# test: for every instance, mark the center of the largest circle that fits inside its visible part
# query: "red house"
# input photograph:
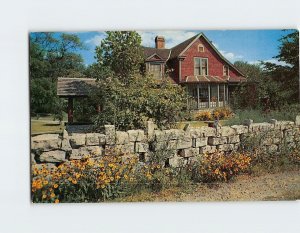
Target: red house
(196, 63)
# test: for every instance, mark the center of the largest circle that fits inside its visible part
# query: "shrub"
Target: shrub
(130, 105)
(203, 115)
(86, 180)
(220, 167)
(222, 113)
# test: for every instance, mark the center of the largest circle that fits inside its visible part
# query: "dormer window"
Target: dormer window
(200, 48)
(225, 70)
(156, 70)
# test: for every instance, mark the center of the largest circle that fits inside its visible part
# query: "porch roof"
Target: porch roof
(72, 87)
(211, 79)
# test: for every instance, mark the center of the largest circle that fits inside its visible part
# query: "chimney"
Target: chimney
(159, 42)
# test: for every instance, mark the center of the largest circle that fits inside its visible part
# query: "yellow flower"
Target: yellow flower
(74, 181)
(44, 196)
(56, 201)
(52, 195)
(55, 186)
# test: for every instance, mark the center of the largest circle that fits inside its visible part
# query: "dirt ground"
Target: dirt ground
(266, 187)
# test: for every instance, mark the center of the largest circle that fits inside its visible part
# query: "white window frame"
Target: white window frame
(225, 67)
(201, 58)
(202, 48)
(155, 64)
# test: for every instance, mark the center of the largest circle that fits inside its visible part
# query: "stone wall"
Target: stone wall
(183, 145)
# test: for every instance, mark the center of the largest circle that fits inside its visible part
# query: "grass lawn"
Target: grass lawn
(38, 126)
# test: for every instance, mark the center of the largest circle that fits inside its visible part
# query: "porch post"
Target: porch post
(208, 95)
(224, 100)
(227, 93)
(218, 103)
(70, 110)
(198, 104)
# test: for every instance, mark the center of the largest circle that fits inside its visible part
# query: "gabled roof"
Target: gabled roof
(71, 87)
(178, 51)
(162, 53)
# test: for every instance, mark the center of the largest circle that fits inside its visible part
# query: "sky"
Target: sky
(251, 46)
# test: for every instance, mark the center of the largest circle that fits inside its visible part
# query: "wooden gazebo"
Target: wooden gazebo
(71, 88)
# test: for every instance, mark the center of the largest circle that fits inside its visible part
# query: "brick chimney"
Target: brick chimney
(159, 42)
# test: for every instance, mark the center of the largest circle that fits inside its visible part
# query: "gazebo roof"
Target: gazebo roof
(74, 87)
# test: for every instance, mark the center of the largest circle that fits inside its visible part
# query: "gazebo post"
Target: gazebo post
(70, 110)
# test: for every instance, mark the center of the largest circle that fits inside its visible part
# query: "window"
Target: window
(200, 66)
(200, 48)
(155, 70)
(225, 70)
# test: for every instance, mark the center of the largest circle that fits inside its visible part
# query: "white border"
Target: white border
(19, 17)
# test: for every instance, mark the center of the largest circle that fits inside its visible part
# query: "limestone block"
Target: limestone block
(102, 139)
(136, 135)
(226, 147)
(198, 142)
(150, 130)
(54, 156)
(227, 131)
(184, 143)
(122, 138)
(92, 139)
(190, 152)
(282, 125)
(176, 161)
(160, 135)
(174, 134)
(32, 158)
(212, 141)
(234, 139)
(164, 145)
(196, 133)
(208, 149)
(208, 131)
(141, 147)
(240, 129)
(77, 140)
(259, 127)
(297, 120)
(45, 142)
(110, 134)
(65, 143)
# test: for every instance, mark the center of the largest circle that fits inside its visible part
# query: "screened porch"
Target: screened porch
(207, 95)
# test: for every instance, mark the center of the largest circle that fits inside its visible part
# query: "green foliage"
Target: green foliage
(129, 106)
(286, 113)
(120, 51)
(44, 99)
(84, 110)
(49, 58)
(282, 82)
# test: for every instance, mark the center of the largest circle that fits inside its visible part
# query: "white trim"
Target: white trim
(153, 56)
(201, 58)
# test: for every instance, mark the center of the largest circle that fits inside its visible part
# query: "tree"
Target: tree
(49, 58)
(122, 53)
(130, 105)
(285, 77)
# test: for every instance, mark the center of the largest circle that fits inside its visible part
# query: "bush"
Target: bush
(218, 113)
(86, 180)
(203, 115)
(130, 105)
(220, 167)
